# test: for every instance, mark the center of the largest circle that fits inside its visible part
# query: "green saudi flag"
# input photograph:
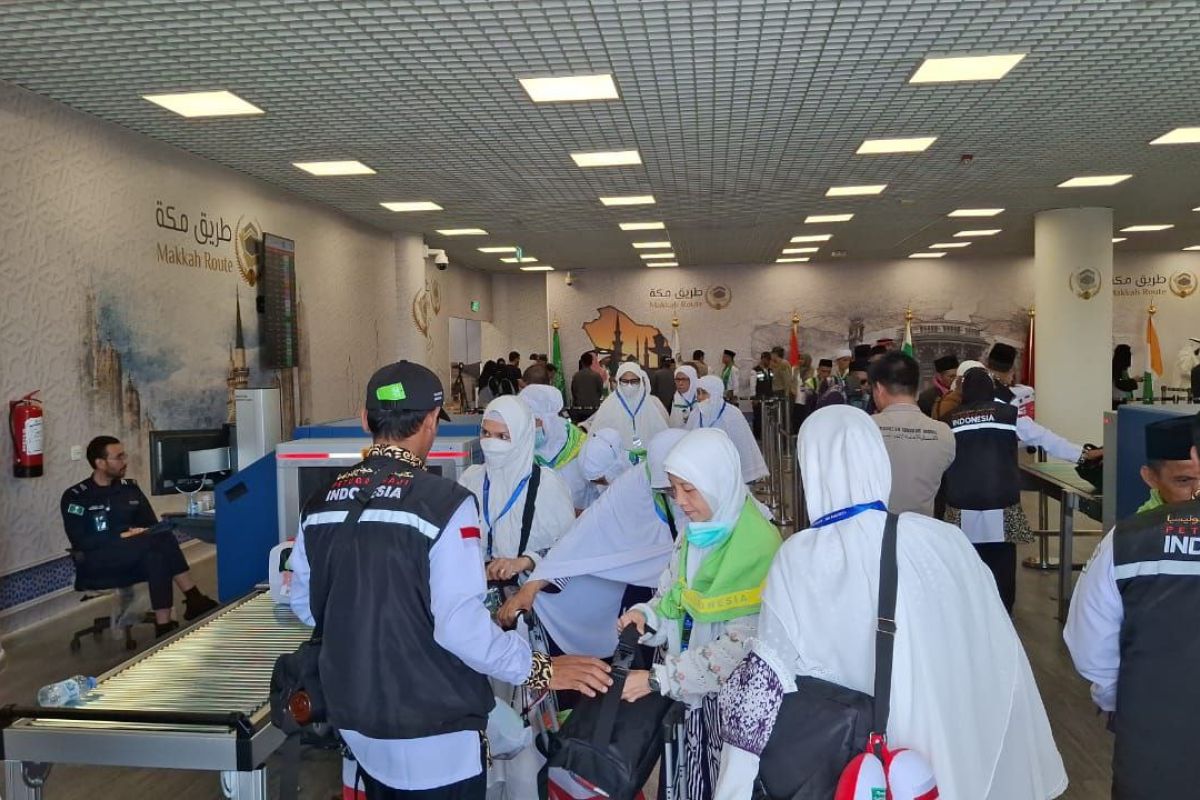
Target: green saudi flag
(907, 346)
(560, 381)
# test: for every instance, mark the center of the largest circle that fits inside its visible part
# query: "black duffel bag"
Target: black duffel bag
(609, 743)
(822, 726)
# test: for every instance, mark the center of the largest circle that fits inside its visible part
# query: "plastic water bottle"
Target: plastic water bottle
(65, 693)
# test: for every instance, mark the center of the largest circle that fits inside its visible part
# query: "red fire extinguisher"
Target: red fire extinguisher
(25, 418)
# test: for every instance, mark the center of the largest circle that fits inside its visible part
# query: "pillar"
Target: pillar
(1073, 263)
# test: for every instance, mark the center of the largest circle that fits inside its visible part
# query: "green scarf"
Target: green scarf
(725, 373)
(570, 450)
(1154, 502)
(729, 583)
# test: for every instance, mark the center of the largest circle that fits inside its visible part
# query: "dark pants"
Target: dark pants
(1001, 559)
(470, 789)
(154, 559)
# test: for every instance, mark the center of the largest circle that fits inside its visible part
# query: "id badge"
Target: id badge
(100, 520)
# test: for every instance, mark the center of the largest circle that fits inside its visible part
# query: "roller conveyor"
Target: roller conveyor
(198, 700)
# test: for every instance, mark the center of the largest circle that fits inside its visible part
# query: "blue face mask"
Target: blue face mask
(708, 534)
(539, 438)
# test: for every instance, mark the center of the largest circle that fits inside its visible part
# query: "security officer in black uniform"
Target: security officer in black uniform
(111, 525)
(1132, 633)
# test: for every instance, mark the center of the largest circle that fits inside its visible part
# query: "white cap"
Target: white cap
(844, 353)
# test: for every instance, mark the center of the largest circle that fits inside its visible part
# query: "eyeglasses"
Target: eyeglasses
(624, 382)
(117, 457)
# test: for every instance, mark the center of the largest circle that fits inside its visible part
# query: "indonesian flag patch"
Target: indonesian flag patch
(469, 533)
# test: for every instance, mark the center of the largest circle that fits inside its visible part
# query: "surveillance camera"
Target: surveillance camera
(440, 259)
(569, 279)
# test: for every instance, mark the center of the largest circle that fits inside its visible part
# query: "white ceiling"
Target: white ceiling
(744, 112)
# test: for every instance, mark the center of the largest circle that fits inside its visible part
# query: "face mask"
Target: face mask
(629, 390)
(495, 448)
(708, 534)
(539, 438)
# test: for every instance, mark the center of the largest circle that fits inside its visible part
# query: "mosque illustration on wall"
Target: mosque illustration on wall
(614, 333)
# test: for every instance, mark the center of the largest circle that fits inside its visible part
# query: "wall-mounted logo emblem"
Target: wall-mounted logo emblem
(718, 297)
(1183, 284)
(1086, 283)
(246, 250)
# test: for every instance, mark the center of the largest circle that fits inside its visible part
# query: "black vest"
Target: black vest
(383, 673)
(1156, 563)
(984, 475)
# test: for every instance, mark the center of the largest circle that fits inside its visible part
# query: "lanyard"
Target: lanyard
(715, 421)
(632, 414)
(487, 514)
(847, 513)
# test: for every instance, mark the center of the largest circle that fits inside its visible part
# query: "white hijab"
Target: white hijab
(707, 459)
(963, 694)
(618, 540)
(684, 404)
(639, 417)
(603, 457)
(715, 412)
(553, 511)
(546, 403)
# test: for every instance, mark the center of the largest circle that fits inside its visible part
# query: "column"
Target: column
(1073, 263)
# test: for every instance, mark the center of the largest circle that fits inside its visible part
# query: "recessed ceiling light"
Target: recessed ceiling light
(988, 232)
(928, 255)
(1085, 181)
(815, 237)
(642, 226)
(818, 218)
(462, 232)
(793, 250)
(965, 68)
(570, 88)
(948, 245)
(791, 260)
(628, 200)
(650, 245)
(1179, 136)
(1145, 228)
(975, 212)
(1197, 208)
(1193, 247)
(607, 158)
(662, 264)
(334, 167)
(1119, 239)
(417, 205)
(855, 191)
(505, 249)
(521, 260)
(651, 256)
(916, 144)
(538, 268)
(204, 104)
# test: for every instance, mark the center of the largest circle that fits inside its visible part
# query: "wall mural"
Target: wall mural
(427, 304)
(615, 333)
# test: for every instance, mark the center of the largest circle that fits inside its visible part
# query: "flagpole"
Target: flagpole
(675, 339)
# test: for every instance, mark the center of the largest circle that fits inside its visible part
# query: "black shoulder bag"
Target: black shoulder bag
(611, 744)
(297, 699)
(822, 726)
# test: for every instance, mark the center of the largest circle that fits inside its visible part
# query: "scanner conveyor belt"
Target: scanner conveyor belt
(199, 700)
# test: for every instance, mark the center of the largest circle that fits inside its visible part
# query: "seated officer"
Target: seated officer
(107, 518)
(1131, 632)
(1170, 471)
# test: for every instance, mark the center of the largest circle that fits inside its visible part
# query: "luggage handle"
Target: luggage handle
(622, 661)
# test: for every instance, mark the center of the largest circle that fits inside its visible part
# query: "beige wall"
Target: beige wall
(80, 264)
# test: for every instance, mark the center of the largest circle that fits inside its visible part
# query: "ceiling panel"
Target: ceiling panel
(744, 112)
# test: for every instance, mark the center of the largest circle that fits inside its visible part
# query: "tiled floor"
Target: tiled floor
(40, 655)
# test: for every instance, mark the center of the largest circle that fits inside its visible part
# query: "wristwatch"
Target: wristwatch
(653, 681)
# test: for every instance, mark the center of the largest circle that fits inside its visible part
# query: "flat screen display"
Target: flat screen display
(277, 302)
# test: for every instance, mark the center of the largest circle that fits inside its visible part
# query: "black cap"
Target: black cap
(405, 385)
(1169, 439)
(862, 351)
(859, 365)
(825, 362)
(1002, 357)
(730, 353)
(945, 362)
